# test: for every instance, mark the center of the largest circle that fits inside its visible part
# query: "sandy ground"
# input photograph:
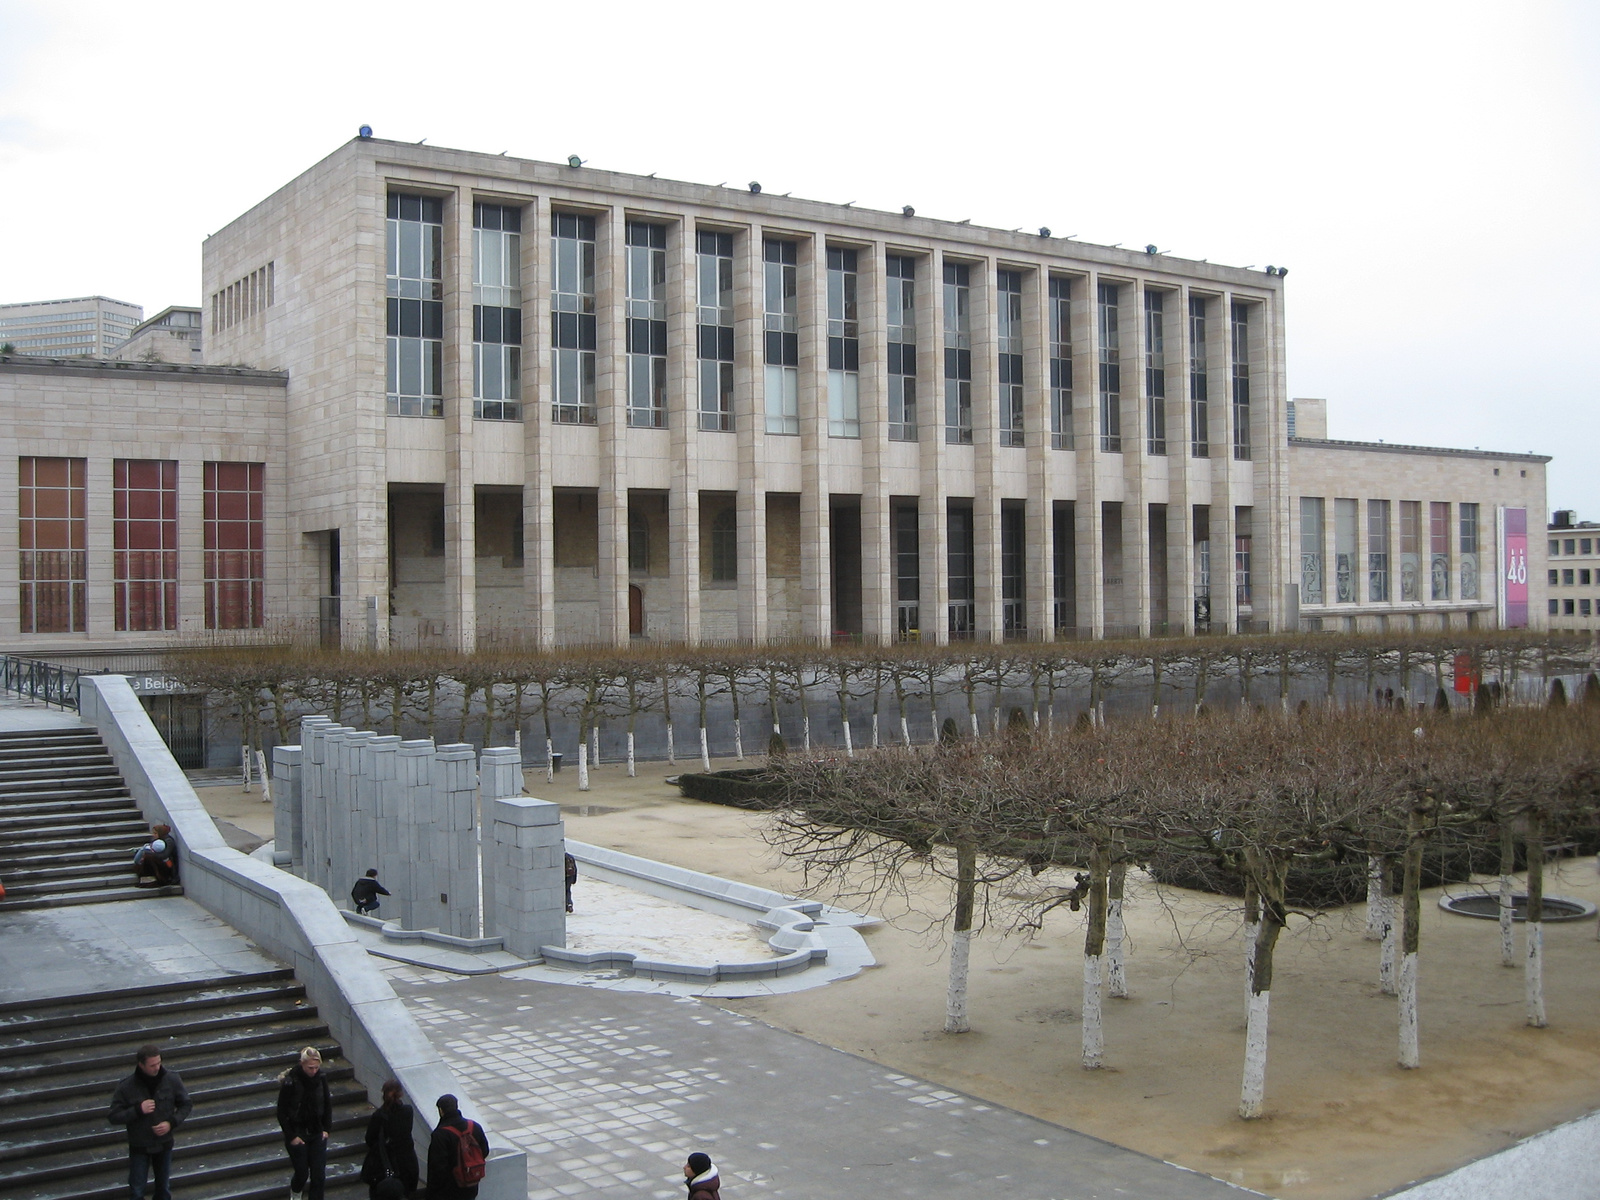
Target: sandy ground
(1343, 1121)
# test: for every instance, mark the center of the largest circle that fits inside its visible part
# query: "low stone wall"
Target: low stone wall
(294, 921)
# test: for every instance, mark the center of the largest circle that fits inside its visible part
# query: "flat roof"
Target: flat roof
(28, 364)
(1401, 448)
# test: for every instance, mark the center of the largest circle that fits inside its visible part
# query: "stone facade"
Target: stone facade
(1410, 536)
(813, 511)
(1572, 574)
(1059, 511)
(173, 335)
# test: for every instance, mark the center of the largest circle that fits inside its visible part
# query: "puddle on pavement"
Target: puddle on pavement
(588, 810)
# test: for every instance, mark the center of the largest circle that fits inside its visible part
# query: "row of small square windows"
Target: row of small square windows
(1564, 608)
(1572, 546)
(1567, 580)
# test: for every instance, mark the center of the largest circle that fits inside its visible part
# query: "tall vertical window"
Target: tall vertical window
(957, 354)
(1063, 552)
(1311, 574)
(902, 274)
(1060, 363)
(1244, 588)
(1469, 551)
(1439, 549)
(783, 337)
(52, 540)
(234, 546)
(496, 312)
(1155, 372)
(725, 546)
(647, 325)
(1410, 550)
(907, 573)
(1110, 372)
(1008, 313)
(414, 376)
(1013, 570)
(714, 317)
(1199, 417)
(1345, 516)
(572, 328)
(1378, 551)
(844, 347)
(962, 566)
(144, 521)
(1241, 381)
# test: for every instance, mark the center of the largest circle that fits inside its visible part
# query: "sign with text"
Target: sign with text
(1513, 568)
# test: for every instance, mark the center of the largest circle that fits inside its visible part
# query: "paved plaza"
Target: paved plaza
(609, 1091)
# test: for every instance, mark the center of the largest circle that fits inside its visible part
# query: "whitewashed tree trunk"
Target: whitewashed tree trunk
(738, 740)
(1533, 928)
(805, 731)
(705, 751)
(849, 747)
(1375, 897)
(1116, 973)
(672, 750)
(875, 742)
(1252, 930)
(1508, 866)
(955, 1007)
(1409, 1057)
(1533, 978)
(1116, 885)
(1386, 975)
(549, 760)
(631, 771)
(1255, 1057)
(955, 1004)
(594, 745)
(974, 720)
(905, 730)
(1094, 1037)
(583, 767)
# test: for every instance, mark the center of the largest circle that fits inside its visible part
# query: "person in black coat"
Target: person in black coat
(444, 1148)
(390, 1167)
(152, 1103)
(305, 1114)
(365, 891)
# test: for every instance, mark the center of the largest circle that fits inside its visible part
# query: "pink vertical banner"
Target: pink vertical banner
(1514, 567)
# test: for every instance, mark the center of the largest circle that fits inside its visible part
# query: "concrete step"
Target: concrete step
(178, 1020)
(45, 842)
(67, 899)
(86, 800)
(68, 817)
(21, 800)
(16, 877)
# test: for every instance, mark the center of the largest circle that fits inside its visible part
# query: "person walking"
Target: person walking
(572, 877)
(390, 1169)
(152, 1103)
(366, 890)
(700, 1173)
(457, 1152)
(305, 1114)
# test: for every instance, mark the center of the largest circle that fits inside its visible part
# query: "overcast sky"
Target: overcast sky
(1426, 171)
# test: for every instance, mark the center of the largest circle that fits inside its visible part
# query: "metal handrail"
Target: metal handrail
(50, 683)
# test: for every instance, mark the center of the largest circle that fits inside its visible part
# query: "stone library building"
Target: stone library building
(462, 399)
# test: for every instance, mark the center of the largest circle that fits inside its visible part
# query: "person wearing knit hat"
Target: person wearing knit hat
(701, 1175)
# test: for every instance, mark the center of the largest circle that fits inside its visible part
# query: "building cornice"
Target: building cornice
(106, 368)
(1400, 448)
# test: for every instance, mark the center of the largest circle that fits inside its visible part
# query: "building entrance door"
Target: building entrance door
(635, 611)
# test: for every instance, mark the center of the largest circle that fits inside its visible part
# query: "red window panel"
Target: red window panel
(234, 537)
(52, 538)
(145, 543)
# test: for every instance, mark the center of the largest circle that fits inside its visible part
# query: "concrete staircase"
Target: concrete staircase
(68, 828)
(229, 1039)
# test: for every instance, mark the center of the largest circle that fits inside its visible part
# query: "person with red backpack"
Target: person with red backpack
(457, 1154)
